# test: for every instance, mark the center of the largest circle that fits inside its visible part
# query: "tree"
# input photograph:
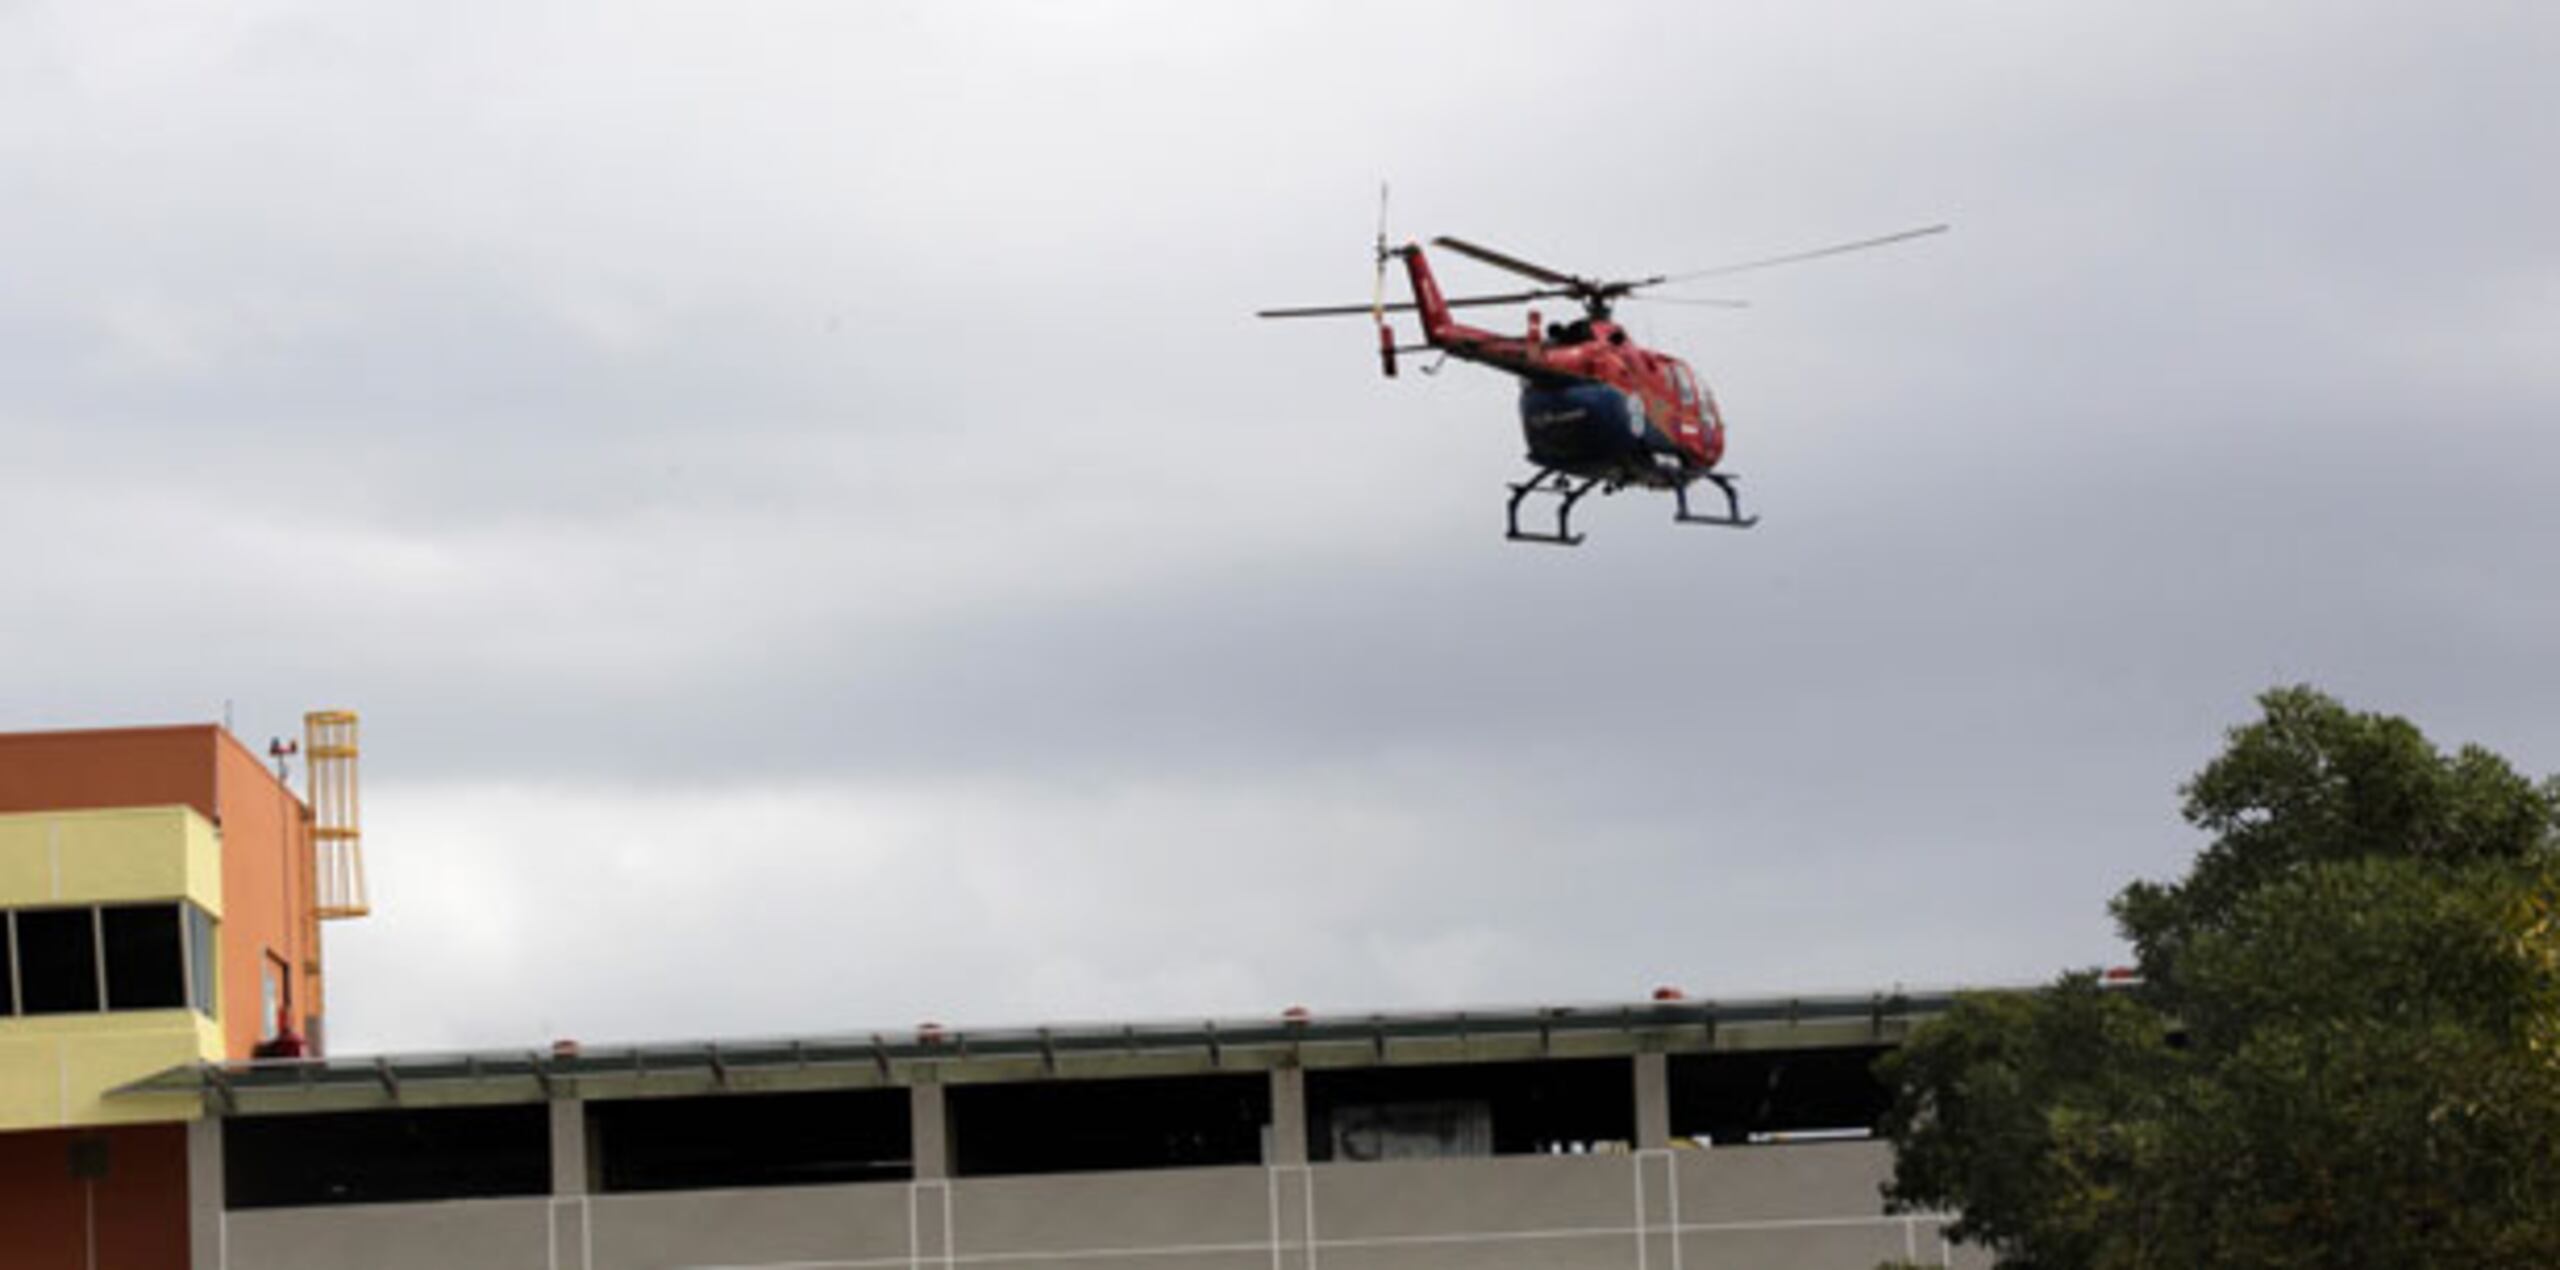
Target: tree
(2345, 1050)
(2312, 781)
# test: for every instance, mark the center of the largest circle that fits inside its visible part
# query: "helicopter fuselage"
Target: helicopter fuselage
(1593, 402)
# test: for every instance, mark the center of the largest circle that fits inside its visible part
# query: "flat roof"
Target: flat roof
(931, 1055)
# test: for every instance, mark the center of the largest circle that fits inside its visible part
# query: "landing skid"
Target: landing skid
(1560, 486)
(1567, 491)
(1733, 517)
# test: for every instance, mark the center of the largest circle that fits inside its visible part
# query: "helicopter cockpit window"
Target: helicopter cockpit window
(1688, 386)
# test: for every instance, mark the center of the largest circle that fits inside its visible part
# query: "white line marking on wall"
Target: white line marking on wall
(1366, 1241)
(1273, 1177)
(1671, 1178)
(1638, 1172)
(1307, 1196)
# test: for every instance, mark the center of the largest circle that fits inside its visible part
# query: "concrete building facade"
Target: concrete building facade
(161, 901)
(1661, 1136)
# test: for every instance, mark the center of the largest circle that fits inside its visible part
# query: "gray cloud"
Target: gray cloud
(798, 485)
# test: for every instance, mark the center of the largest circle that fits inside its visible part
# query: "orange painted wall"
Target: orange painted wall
(266, 839)
(266, 895)
(140, 1205)
(112, 767)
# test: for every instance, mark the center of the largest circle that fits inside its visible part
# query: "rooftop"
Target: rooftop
(931, 1054)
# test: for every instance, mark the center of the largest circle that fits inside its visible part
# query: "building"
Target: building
(166, 892)
(1655, 1136)
(161, 893)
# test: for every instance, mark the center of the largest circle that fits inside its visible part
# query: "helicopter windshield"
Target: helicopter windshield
(1688, 386)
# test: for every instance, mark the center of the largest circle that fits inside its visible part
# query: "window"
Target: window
(202, 968)
(58, 960)
(109, 957)
(1688, 386)
(145, 957)
(272, 995)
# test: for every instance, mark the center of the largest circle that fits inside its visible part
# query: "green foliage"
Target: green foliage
(2027, 1112)
(2311, 781)
(2347, 1051)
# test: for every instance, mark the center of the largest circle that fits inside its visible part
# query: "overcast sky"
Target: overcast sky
(819, 542)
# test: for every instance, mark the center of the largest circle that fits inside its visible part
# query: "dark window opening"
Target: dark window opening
(374, 1157)
(58, 961)
(1740, 1098)
(146, 957)
(1542, 1108)
(1075, 1125)
(659, 1144)
(8, 965)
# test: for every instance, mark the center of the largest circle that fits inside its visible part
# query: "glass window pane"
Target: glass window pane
(8, 969)
(207, 971)
(146, 967)
(58, 960)
(270, 995)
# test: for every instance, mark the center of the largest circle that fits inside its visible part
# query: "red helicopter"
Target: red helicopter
(1599, 410)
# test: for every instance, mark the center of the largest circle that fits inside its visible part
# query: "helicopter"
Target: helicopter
(1598, 409)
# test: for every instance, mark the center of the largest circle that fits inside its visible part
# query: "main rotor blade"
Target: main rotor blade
(1706, 301)
(1329, 310)
(1512, 263)
(1407, 306)
(1378, 287)
(1816, 254)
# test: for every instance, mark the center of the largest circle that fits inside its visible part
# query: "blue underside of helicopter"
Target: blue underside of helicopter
(1591, 429)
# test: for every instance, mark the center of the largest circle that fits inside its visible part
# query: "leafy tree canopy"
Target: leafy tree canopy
(2313, 781)
(2346, 1051)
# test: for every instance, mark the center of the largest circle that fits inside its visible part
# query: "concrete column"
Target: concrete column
(1288, 1116)
(929, 1131)
(204, 1194)
(573, 1174)
(1653, 1102)
(569, 1169)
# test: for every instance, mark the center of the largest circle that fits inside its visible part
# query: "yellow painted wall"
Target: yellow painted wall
(56, 1069)
(106, 857)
